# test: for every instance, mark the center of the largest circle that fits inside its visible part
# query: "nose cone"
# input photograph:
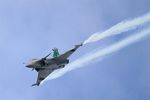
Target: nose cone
(29, 66)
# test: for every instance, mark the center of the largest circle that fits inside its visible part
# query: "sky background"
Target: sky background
(31, 28)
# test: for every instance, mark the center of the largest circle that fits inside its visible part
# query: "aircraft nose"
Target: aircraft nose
(29, 66)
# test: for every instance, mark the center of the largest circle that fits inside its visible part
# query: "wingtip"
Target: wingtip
(35, 84)
(81, 44)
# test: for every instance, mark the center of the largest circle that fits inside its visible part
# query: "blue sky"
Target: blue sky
(31, 28)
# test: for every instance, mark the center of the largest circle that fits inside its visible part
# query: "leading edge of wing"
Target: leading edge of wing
(70, 52)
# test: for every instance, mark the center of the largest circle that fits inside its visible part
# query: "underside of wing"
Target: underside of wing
(42, 74)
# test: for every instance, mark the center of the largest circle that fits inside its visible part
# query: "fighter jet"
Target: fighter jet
(45, 66)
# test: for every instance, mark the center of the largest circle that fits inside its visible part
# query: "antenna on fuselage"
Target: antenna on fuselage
(47, 56)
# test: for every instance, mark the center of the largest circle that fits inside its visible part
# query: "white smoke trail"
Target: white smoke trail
(119, 28)
(81, 62)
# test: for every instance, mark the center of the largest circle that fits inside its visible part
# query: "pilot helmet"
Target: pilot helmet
(55, 49)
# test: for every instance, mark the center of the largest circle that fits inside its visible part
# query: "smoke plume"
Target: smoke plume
(117, 29)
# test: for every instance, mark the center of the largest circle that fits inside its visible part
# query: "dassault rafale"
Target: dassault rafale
(45, 66)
